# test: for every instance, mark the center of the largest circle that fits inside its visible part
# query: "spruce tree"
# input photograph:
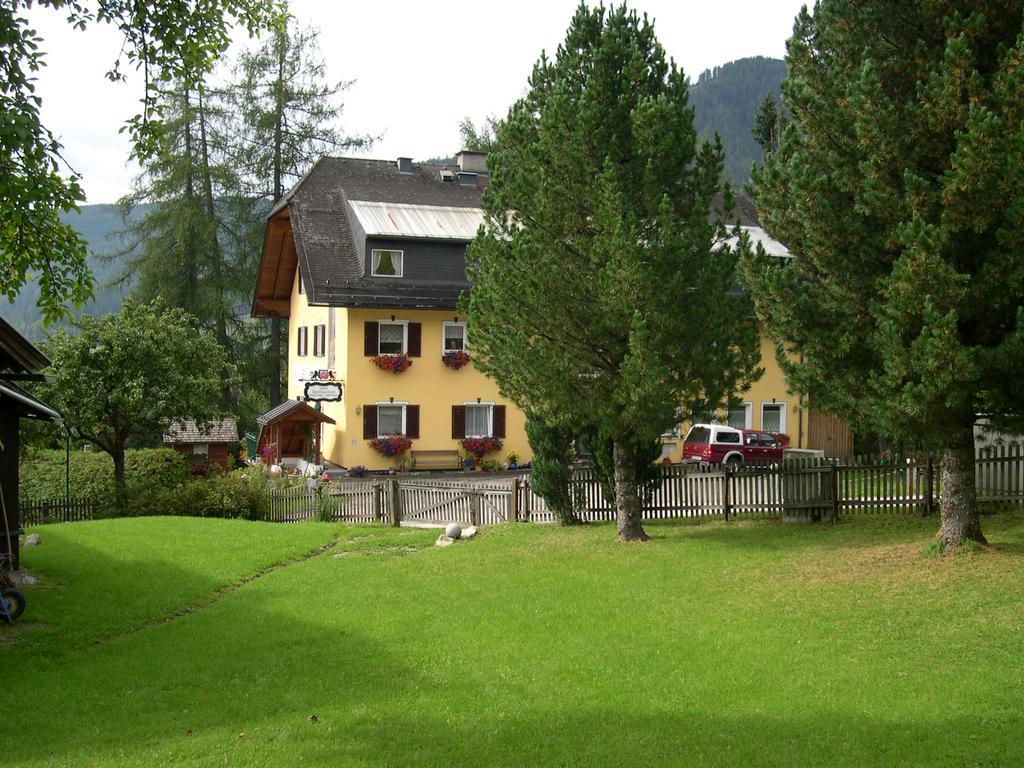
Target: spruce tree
(897, 186)
(601, 284)
(287, 118)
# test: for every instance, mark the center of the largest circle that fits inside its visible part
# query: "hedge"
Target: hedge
(92, 473)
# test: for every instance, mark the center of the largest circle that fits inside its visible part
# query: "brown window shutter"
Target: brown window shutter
(370, 335)
(412, 421)
(499, 421)
(415, 339)
(458, 421)
(369, 422)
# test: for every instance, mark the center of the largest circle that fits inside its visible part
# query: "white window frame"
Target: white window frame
(302, 341)
(389, 404)
(298, 277)
(373, 260)
(200, 449)
(782, 417)
(748, 416)
(405, 335)
(465, 335)
(490, 417)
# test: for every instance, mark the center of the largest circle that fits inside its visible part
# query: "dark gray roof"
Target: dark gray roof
(330, 245)
(187, 431)
(287, 407)
(17, 353)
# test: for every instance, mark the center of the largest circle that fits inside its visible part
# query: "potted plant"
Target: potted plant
(399, 363)
(513, 460)
(478, 447)
(455, 359)
(391, 445)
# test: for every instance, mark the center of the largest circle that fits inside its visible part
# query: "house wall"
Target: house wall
(770, 388)
(422, 259)
(436, 388)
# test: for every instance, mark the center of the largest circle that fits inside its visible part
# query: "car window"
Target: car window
(699, 435)
(727, 437)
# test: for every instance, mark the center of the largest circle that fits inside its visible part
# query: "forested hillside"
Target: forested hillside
(101, 227)
(726, 99)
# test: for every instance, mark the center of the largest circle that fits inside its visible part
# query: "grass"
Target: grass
(714, 644)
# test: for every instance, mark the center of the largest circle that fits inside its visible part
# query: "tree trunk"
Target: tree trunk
(627, 500)
(118, 455)
(959, 501)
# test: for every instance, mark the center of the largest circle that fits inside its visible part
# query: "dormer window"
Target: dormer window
(386, 263)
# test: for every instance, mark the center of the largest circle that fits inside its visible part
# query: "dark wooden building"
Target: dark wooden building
(20, 361)
(203, 446)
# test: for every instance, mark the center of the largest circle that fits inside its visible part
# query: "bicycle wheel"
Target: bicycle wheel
(14, 603)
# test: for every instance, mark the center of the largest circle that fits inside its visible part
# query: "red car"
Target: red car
(716, 444)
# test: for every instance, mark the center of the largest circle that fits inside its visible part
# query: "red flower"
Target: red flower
(455, 359)
(393, 363)
(391, 445)
(479, 446)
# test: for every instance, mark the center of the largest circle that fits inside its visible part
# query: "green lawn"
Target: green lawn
(714, 644)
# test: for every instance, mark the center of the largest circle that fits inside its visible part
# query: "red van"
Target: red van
(717, 444)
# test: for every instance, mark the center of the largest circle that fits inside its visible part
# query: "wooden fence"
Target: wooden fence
(56, 511)
(797, 489)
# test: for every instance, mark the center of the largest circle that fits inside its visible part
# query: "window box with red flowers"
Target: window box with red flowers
(455, 359)
(481, 446)
(393, 363)
(391, 445)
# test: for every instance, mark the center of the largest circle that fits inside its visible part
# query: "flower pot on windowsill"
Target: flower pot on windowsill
(455, 359)
(393, 363)
(391, 445)
(478, 447)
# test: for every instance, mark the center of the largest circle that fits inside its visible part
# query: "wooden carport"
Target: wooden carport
(291, 430)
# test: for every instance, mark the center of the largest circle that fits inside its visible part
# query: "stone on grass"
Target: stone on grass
(444, 541)
(31, 540)
(469, 533)
(453, 531)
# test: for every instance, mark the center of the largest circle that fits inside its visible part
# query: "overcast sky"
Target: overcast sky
(419, 68)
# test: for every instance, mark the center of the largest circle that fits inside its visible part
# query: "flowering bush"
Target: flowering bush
(391, 445)
(393, 363)
(455, 359)
(479, 446)
(782, 437)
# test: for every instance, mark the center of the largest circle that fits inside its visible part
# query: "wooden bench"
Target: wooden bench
(439, 459)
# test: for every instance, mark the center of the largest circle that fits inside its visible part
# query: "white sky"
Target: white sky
(419, 67)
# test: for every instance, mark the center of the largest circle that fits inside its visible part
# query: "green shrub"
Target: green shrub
(216, 495)
(92, 474)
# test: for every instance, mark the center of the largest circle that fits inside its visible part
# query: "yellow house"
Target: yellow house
(366, 260)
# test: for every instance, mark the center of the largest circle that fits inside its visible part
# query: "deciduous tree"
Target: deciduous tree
(898, 187)
(131, 374)
(602, 285)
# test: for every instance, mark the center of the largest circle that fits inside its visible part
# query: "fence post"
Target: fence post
(378, 502)
(474, 507)
(395, 508)
(929, 499)
(513, 504)
(726, 506)
(834, 477)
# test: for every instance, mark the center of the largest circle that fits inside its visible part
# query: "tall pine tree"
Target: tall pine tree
(288, 116)
(898, 187)
(601, 286)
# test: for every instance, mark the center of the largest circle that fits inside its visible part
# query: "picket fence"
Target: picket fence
(804, 489)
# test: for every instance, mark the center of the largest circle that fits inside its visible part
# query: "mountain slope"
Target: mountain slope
(725, 100)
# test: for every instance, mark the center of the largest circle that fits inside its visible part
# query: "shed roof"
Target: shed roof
(295, 408)
(17, 353)
(187, 431)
